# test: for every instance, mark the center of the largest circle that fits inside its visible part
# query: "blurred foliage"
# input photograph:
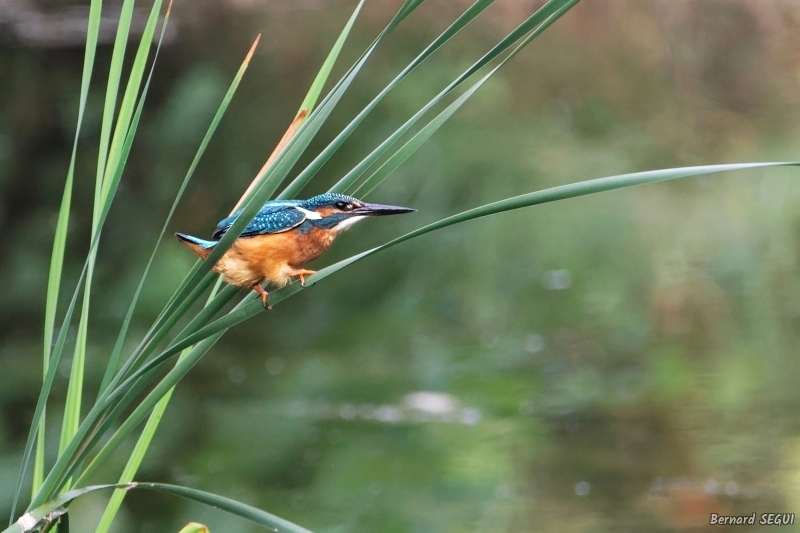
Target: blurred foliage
(613, 363)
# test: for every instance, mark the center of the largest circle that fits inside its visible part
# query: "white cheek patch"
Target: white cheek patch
(347, 223)
(312, 215)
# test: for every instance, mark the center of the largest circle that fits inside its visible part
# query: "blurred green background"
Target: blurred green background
(621, 362)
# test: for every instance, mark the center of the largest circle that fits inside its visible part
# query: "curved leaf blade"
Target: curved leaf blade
(234, 507)
(250, 307)
(51, 510)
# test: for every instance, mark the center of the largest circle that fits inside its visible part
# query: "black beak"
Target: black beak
(376, 210)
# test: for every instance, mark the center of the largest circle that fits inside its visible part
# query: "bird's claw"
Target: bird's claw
(263, 295)
(301, 273)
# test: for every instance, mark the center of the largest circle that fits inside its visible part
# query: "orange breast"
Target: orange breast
(311, 245)
(270, 255)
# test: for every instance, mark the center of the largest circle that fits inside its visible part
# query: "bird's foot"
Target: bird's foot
(301, 273)
(263, 294)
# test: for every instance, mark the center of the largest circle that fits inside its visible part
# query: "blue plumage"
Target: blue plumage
(283, 236)
(325, 200)
(280, 215)
(202, 243)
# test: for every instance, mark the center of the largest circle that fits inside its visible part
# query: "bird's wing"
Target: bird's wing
(274, 217)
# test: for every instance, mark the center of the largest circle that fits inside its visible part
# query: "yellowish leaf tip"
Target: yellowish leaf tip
(252, 49)
(194, 527)
(287, 136)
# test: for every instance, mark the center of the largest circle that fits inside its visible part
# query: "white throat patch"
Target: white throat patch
(347, 223)
(311, 215)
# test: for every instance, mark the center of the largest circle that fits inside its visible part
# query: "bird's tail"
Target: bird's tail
(200, 247)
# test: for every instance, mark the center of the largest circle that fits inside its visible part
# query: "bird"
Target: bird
(282, 237)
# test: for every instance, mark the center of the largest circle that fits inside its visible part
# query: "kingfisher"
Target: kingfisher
(284, 236)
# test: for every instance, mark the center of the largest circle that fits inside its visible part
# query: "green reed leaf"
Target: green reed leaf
(57, 261)
(251, 307)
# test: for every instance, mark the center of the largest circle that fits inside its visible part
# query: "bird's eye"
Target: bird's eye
(344, 206)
